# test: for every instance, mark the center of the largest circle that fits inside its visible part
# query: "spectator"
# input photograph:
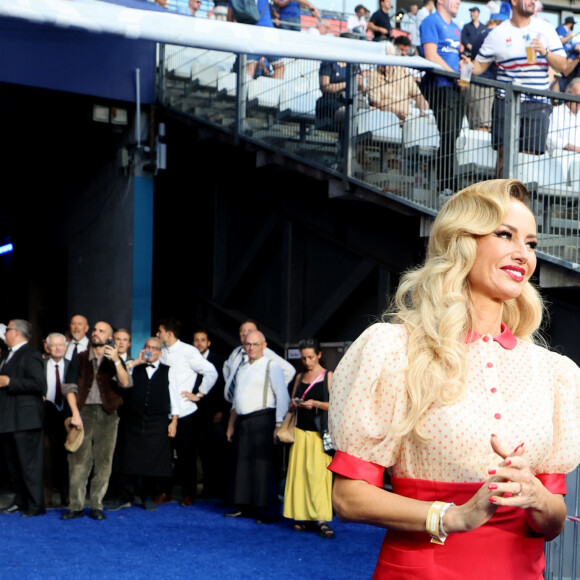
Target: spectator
(186, 364)
(211, 425)
(564, 132)
(426, 10)
(56, 410)
(253, 61)
(188, 7)
(289, 11)
(392, 88)
(479, 98)
(260, 403)
(441, 44)
(522, 30)
(307, 497)
(322, 27)
(94, 401)
(122, 339)
(403, 44)
(566, 33)
(143, 453)
(78, 327)
(470, 30)
(220, 10)
(380, 23)
(239, 356)
(22, 387)
(331, 106)
(357, 23)
(410, 24)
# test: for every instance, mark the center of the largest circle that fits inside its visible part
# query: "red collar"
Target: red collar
(505, 338)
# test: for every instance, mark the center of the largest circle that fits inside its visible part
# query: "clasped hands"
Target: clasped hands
(511, 484)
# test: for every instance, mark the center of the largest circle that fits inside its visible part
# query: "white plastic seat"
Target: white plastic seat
(266, 91)
(474, 148)
(384, 125)
(421, 132)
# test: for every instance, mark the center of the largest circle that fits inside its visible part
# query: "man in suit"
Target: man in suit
(22, 388)
(211, 424)
(56, 411)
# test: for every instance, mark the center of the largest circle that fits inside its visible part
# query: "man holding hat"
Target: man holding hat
(471, 29)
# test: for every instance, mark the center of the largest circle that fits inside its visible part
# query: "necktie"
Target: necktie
(6, 359)
(74, 351)
(232, 386)
(58, 394)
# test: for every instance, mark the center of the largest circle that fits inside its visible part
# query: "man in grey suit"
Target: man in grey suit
(22, 388)
(56, 410)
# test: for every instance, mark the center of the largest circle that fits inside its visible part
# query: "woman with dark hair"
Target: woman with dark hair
(475, 420)
(307, 497)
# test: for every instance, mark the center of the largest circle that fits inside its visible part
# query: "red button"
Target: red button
(494, 390)
(497, 415)
(486, 338)
(489, 365)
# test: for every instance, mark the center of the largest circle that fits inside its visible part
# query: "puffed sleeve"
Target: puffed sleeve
(366, 397)
(565, 453)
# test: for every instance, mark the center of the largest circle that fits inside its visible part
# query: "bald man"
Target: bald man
(79, 326)
(260, 402)
(94, 398)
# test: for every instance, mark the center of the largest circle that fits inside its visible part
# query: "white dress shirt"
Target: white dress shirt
(249, 392)
(186, 362)
(51, 365)
(82, 345)
(564, 128)
(236, 358)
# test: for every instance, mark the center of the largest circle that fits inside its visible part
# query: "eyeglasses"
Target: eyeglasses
(10, 328)
(151, 347)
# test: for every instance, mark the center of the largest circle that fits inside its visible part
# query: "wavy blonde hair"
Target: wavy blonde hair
(433, 303)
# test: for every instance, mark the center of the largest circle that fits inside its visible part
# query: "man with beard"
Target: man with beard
(94, 401)
(79, 326)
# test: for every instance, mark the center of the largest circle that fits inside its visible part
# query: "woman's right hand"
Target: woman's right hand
(479, 509)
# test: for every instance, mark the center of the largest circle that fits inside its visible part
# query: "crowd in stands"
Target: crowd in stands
(92, 425)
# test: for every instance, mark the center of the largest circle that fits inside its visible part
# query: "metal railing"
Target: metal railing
(383, 135)
(406, 144)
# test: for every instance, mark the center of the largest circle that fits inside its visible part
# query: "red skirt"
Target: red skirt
(505, 547)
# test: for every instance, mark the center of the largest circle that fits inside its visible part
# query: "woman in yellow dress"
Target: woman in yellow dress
(308, 493)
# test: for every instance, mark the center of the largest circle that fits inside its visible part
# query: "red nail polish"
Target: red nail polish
(518, 447)
(492, 499)
(492, 486)
(491, 471)
(508, 462)
(493, 435)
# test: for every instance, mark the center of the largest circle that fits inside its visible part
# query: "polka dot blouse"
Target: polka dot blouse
(521, 392)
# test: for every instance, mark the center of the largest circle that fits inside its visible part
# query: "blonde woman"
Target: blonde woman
(476, 423)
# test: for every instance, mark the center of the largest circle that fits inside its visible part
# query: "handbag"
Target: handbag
(321, 421)
(286, 432)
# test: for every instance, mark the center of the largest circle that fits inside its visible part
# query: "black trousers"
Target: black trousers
(448, 106)
(24, 452)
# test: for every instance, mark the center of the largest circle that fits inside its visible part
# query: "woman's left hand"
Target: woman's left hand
(308, 404)
(520, 487)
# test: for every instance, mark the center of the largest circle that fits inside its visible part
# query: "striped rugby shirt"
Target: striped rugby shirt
(506, 46)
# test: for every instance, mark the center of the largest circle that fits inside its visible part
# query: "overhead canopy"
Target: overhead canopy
(143, 20)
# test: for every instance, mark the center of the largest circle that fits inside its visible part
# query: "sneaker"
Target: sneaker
(116, 505)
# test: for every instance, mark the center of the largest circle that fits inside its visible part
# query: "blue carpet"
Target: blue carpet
(176, 542)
